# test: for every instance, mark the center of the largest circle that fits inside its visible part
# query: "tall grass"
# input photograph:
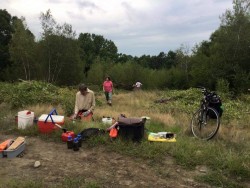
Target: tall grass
(226, 157)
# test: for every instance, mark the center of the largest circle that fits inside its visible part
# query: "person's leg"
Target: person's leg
(107, 96)
(110, 98)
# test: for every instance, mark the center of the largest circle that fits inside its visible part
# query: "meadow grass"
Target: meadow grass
(227, 156)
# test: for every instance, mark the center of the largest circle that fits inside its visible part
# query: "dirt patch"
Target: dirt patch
(105, 168)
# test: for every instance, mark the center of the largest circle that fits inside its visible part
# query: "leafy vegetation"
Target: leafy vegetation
(59, 57)
(226, 156)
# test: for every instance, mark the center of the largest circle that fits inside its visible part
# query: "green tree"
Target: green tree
(226, 56)
(22, 51)
(183, 60)
(6, 31)
(123, 58)
(125, 75)
(233, 39)
(59, 52)
(96, 74)
(94, 46)
(171, 59)
(161, 61)
(158, 62)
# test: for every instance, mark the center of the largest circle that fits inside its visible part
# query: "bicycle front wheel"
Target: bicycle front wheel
(205, 123)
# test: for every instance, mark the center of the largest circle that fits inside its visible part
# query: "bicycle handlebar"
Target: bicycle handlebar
(206, 92)
(201, 87)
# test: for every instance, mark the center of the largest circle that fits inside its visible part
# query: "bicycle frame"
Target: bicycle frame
(202, 120)
(203, 115)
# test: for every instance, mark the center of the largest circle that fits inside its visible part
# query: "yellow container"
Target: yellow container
(154, 137)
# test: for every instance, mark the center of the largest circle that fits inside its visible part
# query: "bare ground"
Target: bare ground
(105, 168)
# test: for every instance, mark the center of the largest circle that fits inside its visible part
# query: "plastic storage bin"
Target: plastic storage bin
(46, 122)
(25, 119)
(13, 153)
(1, 154)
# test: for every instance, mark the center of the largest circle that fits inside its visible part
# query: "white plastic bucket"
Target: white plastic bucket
(25, 119)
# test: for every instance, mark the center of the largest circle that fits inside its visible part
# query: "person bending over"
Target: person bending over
(85, 102)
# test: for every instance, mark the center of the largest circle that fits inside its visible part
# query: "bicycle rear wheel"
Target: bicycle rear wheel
(205, 124)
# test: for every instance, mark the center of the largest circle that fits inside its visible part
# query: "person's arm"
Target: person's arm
(92, 103)
(76, 110)
(103, 86)
(112, 87)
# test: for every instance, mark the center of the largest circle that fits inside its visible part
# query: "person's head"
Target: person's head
(83, 89)
(108, 78)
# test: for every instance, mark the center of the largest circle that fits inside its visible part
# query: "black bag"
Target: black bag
(90, 132)
(216, 103)
(131, 128)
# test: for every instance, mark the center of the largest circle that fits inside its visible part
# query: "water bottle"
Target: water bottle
(75, 144)
(79, 136)
(70, 142)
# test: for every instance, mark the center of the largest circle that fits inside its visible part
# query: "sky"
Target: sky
(137, 27)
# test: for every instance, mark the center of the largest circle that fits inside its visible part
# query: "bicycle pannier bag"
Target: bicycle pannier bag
(216, 103)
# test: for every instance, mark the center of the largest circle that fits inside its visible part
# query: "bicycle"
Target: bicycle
(206, 120)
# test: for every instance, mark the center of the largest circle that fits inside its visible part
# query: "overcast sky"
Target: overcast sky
(136, 27)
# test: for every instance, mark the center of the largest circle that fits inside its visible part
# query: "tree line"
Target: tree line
(60, 57)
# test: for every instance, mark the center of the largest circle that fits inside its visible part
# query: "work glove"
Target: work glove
(74, 116)
(86, 113)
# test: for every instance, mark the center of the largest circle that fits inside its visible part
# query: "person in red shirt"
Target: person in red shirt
(108, 90)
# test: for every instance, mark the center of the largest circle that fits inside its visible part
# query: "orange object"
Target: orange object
(113, 132)
(66, 134)
(87, 118)
(81, 117)
(5, 144)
